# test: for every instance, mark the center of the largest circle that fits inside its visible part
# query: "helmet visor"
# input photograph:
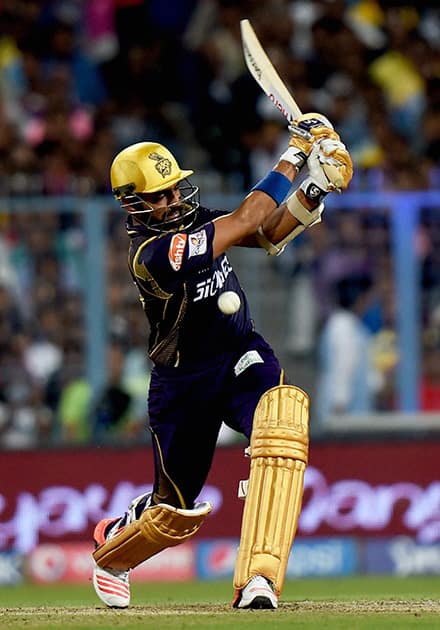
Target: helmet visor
(177, 214)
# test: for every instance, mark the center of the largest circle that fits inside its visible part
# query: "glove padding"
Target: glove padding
(330, 165)
(305, 130)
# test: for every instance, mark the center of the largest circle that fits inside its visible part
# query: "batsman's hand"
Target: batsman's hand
(305, 131)
(330, 165)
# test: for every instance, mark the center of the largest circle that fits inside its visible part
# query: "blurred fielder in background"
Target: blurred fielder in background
(210, 366)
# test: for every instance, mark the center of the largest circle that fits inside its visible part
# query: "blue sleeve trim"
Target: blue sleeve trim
(276, 185)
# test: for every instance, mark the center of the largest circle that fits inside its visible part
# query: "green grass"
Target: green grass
(364, 603)
(221, 592)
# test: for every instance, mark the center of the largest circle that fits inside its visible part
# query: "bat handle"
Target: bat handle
(300, 133)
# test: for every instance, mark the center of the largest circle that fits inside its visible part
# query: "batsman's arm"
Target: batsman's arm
(262, 219)
(284, 224)
(291, 219)
(234, 230)
(330, 169)
(241, 226)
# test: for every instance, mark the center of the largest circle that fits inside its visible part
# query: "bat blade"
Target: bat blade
(264, 73)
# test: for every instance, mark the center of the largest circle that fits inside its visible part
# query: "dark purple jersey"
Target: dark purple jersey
(179, 283)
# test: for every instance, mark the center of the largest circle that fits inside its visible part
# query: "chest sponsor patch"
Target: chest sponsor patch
(197, 243)
(249, 358)
(175, 252)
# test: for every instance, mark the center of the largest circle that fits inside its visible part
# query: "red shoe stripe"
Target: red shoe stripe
(112, 580)
(262, 589)
(104, 583)
(115, 583)
(112, 592)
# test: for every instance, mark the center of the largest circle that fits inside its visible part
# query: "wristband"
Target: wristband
(274, 184)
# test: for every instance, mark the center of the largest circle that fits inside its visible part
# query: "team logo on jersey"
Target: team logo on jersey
(163, 164)
(197, 243)
(175, 252)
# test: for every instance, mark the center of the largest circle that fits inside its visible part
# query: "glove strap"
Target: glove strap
(312, 190)
(294, 156)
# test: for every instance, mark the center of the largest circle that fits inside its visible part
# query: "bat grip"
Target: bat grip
(300, 133)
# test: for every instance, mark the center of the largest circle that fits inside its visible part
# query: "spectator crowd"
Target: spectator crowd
(81, 80)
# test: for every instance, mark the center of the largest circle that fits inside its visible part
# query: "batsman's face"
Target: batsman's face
(165, 210)
(164, 203)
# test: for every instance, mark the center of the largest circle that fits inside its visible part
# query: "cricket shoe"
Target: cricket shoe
(258, 593)
(112, 587)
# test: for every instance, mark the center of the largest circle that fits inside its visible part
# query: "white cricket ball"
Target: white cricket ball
(228, 302)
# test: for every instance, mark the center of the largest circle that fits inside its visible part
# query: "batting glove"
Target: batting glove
(305, 131)
(330, 166)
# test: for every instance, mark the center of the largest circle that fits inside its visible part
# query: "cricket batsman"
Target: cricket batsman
(211, 365)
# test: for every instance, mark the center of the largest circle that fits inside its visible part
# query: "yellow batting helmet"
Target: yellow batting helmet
(145, 167)
(148, 167)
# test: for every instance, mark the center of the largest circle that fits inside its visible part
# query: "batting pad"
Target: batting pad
(158, 527)
(279, 453)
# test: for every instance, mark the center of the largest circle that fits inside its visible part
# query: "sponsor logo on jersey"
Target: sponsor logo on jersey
(175, 253)
(197, 243)
(210, 286)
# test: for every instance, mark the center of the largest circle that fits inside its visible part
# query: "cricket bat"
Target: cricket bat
(264, 73)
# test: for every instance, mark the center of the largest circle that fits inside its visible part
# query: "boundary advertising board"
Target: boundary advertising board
(366, 489)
